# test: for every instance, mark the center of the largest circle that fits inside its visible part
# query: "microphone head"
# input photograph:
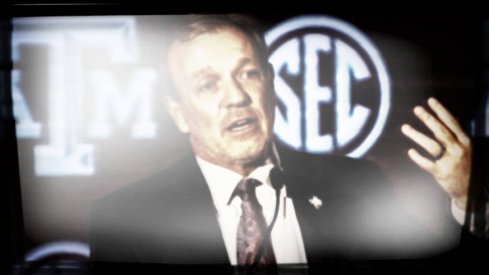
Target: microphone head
(277, 178)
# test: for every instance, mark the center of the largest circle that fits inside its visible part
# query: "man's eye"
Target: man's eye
(208, 86)
(251, 74)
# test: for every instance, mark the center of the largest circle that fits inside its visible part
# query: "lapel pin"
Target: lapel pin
(316, 202)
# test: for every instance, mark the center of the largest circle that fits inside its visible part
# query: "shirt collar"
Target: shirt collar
(222, 181)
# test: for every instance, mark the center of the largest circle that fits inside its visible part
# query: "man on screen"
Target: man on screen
(242, 199)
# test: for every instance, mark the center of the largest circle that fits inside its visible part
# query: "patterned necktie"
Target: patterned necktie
(253, 243)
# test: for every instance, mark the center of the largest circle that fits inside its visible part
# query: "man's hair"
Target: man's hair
(186, 27)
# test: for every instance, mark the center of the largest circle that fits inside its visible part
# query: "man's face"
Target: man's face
(227, 101)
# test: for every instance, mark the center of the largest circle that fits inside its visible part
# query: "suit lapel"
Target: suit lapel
(313, 220)
(196, 214)
(314, 200)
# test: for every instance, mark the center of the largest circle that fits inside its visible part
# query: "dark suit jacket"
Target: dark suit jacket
(170, 218)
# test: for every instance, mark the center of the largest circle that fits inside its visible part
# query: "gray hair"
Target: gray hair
(187, 27)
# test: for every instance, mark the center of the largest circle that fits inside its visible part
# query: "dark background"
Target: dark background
(442, 54)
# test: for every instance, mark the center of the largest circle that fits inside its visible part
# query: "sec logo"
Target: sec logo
(333, 89)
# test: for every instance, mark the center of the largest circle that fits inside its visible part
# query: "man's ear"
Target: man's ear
(175, 109)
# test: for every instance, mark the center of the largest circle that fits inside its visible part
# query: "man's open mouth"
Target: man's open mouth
(241, 124)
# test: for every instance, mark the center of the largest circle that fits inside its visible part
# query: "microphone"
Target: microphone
(277, 178)
(277, 181)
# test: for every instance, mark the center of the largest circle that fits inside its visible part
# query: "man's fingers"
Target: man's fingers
(447, 118)
(421, 161)
(441, 132)
(422, 140)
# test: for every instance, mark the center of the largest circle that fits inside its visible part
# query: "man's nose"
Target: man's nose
(235, 95)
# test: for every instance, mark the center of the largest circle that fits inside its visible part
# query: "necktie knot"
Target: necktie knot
(245, 190)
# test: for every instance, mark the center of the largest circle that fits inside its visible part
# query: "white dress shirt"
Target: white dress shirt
(459, 215)
(286, 236)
